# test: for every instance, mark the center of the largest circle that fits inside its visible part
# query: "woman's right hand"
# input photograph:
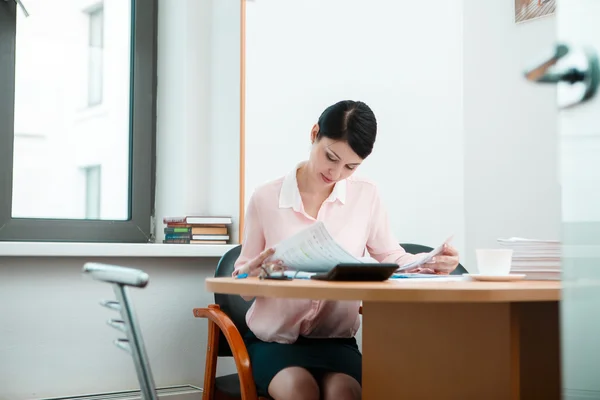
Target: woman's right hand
(252, 267)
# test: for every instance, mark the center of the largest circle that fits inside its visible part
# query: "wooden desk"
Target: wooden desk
(444, 340)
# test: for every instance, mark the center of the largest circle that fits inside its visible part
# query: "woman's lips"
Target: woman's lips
(325, 179)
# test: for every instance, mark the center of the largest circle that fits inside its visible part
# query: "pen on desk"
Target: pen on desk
(241, 276)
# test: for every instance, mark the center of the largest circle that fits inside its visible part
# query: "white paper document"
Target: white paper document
(314, 250)
(426, 257)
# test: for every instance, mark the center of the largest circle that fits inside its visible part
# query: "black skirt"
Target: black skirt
(318, 356)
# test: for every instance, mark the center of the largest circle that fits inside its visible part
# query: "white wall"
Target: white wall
(400, 58)
(466, 145)
(198, 126)
(55, 341)
(511, 175)
(224, 177)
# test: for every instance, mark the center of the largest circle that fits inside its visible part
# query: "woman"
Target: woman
(305, 349)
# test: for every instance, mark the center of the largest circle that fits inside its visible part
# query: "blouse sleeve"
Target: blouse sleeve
(381, 243)
(253, 241)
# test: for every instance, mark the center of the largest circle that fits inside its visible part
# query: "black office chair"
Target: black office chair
(226, 329)
(133, 343)
(419, 248)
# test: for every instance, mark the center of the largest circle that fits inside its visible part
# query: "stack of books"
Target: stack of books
(197, 230)
(538, 259)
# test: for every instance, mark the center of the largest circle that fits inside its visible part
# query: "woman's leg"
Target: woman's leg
(294, 383)
(338, 386)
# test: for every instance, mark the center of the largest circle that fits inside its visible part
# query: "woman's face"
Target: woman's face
(331, 161)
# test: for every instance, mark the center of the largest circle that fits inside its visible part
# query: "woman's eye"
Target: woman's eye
(350, 168)
(330, 158)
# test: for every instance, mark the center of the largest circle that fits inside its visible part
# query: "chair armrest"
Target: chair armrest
(115, 274)
(238, 348)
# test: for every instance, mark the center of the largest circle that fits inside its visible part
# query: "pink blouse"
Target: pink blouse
(354, 216)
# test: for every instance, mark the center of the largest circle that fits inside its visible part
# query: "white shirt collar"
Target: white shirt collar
(289, 196)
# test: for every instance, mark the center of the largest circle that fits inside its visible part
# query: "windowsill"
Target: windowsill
(63, 249)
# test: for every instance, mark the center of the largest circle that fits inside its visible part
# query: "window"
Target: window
(77, 120)
(95, 43)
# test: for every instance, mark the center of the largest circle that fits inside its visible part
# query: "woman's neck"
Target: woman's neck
(309, 186)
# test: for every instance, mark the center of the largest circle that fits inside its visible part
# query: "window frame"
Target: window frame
(142, 166)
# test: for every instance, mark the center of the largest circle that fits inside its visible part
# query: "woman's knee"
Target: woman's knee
(294, 383)
(337, 386)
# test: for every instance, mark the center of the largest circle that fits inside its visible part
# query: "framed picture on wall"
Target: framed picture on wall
(527, 10)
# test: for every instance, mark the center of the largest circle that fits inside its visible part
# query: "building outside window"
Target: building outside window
(78, 105)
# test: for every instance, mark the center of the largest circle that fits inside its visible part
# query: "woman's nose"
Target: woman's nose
(335, 172)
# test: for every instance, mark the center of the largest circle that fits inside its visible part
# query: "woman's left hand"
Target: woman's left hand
(443, 263)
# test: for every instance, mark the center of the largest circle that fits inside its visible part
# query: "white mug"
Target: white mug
(494, 261)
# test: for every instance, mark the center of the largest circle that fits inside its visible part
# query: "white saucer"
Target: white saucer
(496, 278)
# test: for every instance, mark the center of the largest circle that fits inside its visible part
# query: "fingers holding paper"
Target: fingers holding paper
(253, 267)
(443, 263)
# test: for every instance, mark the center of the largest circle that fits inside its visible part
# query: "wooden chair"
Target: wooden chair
(226, 329)
(120, 278)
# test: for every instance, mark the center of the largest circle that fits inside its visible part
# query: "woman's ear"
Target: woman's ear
(314, 133)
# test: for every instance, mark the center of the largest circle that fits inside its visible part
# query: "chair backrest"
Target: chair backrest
(419, 248)
(120, 278)
(232, 305)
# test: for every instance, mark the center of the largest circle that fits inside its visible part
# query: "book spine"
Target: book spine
(210, 237)
(177, 241)
(174, 220)
(209, 230)
(178, 236)
(184, 230)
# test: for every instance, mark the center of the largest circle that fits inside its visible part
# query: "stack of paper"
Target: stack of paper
(539, 259)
